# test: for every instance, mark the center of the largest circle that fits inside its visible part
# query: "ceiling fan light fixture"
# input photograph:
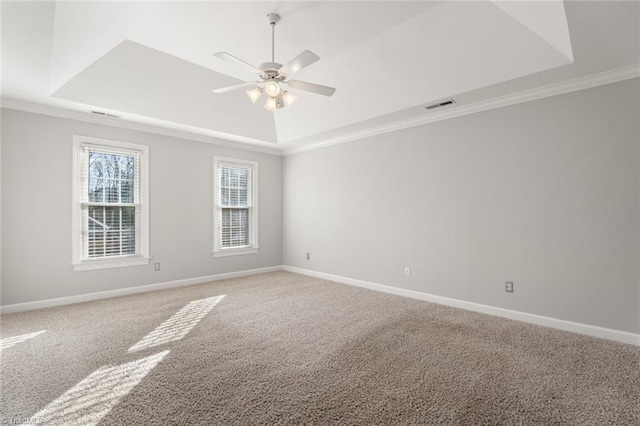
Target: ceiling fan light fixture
(272, 74)
(272, 89)
(254, 94)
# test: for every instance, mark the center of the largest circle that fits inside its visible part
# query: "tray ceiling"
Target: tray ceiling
(153, 61)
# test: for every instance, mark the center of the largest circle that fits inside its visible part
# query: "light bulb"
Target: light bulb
(272, 88)
(254, 94)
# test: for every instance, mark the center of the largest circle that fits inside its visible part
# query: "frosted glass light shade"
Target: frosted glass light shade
(254, 94)
(289, 98)
(274, 103)
(270, 105)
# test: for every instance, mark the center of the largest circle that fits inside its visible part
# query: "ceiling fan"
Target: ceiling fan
(274, 75)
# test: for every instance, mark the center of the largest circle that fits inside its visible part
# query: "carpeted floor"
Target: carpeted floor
(283, 348)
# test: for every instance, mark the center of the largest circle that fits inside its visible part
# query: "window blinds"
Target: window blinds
(110, 201)
(235, 201)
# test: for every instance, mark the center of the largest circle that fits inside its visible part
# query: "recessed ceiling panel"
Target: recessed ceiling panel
(193, 30)
(152, 62)
(452, 48)
(140, 80)
(547, 19)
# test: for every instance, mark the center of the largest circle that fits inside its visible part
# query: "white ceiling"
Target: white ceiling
(152, 62)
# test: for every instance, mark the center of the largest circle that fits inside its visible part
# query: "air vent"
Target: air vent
(105, 114)
(441, 104)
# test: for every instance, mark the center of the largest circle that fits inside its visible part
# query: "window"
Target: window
(235, 207)
(110, 212)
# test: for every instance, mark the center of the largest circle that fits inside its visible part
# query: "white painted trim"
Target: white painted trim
(234, 141)
(235, 251)
(78, 242)
(28, 306)
(224, 139)
(119, 262)
(590, 330)
(587, 82)
(197, 134)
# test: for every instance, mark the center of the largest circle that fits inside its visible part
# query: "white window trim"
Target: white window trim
(218, 250)
(142, 258)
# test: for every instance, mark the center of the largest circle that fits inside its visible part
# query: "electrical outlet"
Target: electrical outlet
(407, 270)
(508, 286)
(156, 266)
(308, 256)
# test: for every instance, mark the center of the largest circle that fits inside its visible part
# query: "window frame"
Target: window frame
(253, 247)
(141, 257)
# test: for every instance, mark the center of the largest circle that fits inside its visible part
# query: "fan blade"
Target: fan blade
(311, 87)
(230, 58)
(235, 87)
(304, 59)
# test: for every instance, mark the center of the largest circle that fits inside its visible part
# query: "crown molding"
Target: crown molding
(217, 138)
(248, 144)
(587, 82)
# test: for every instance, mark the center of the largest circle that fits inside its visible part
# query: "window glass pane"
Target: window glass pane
(226, 237)
(242, 178)
(96, 164)
(235, 227)
(126, 165)
(96, 190)
(96, 246)
(224, 176)
(126, 191)
(111, 231)
(111, 166)
(111, 177)
(224, 196)
(233, 197)
(96, 219)
(111, 190)
(233, 177)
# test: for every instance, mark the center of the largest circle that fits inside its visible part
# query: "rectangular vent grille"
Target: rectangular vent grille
(441, 104)
(105, 114)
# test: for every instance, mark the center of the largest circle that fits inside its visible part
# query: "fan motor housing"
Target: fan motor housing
(270, 70)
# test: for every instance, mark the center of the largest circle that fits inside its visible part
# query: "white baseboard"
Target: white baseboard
(575, 327)
(28, 306)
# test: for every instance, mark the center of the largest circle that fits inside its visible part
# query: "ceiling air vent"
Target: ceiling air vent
(105, 114)
(441, 104)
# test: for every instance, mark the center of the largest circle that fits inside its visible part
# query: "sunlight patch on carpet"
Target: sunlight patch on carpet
(94, 397)
(8, 342)
(176, 327)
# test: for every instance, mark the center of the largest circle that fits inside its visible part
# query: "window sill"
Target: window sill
(235, 252)
(88, 265)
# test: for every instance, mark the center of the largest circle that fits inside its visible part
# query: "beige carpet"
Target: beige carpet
(283, 348)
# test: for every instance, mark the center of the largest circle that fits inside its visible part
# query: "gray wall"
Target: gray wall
(36, 210)
(544, 193)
